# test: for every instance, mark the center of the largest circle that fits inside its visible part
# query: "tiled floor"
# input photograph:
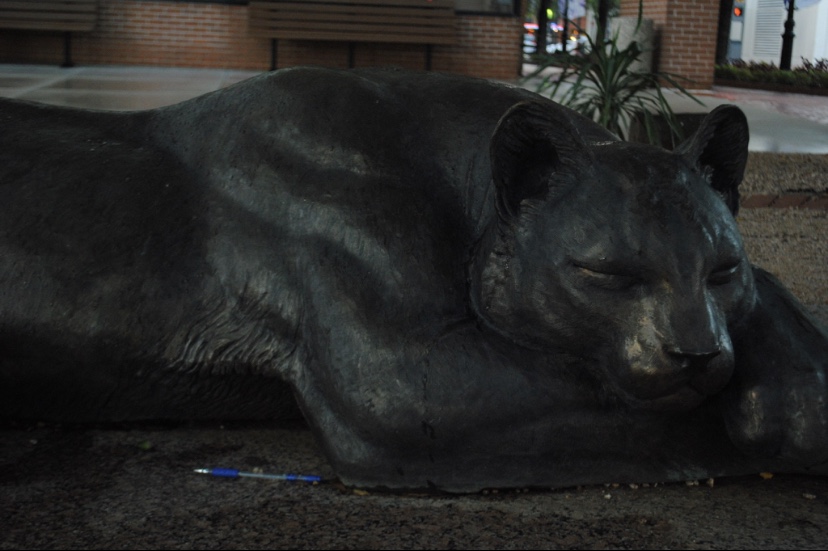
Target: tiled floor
(786, 123)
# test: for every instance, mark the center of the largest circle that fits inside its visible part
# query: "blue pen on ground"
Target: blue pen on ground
(233, 473)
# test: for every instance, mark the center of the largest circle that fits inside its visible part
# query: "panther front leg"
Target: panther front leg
(776, 406)
(450, 409)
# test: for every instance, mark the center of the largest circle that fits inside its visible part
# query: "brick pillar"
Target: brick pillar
(685, 37)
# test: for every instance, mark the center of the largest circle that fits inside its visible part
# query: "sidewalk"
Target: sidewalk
(112, 88)
(783, 123)
(779, 122)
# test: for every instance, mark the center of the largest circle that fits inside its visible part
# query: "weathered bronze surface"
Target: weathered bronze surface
(463, 284)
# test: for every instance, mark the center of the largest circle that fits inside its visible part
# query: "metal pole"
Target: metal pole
(543, 25)
(67, 50)
(723, 31)
(603, 16)
(274, 53)
(787, 39)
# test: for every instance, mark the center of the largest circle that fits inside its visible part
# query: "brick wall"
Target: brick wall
(488, 46)
(685, 36)
(182, 34)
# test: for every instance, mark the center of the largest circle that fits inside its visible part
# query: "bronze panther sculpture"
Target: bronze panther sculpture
(463, 284)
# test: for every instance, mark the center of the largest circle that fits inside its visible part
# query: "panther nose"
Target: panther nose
(691, 359)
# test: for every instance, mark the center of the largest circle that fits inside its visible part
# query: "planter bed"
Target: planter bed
(771, 87)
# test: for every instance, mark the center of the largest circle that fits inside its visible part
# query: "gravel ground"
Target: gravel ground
(785, 173)
(133, 487)
(790, 243)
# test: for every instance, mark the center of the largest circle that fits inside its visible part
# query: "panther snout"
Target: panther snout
(707, 371)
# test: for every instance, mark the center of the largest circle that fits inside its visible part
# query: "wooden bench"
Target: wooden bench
(427, 22)
(66, 16)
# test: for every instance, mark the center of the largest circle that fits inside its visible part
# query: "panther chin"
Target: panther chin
(683, 399)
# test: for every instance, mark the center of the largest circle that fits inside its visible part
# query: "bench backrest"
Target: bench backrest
(49, 15)
(405, 21)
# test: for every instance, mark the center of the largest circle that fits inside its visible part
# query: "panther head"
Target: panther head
(625, 255)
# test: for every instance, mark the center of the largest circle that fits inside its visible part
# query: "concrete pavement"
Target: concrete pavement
(783, 123)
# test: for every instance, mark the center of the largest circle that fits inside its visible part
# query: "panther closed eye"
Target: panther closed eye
(609, 277)
(724, 274)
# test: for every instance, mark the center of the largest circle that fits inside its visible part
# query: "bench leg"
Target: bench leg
(273, 53)
(428, 57)
(351, 54)
(67, 50)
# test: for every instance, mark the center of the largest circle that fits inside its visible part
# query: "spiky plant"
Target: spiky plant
(603, 86)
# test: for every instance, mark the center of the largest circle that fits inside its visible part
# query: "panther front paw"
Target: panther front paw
(753, 421)
(788, 423)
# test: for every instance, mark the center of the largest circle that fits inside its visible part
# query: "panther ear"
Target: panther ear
(532, 150)
(720, 148)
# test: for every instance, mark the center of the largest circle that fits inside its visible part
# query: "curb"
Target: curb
(785, 201)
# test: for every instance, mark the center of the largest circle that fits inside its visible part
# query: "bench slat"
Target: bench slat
(309, 12)
(51, 5)
(400, 18)
(367, 25)
(312, 10)
(42, 16)
(317, 8)
(390, 37)
(361, 24)
(47, 25)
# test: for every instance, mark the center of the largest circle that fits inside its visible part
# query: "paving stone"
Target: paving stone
(757, 201)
